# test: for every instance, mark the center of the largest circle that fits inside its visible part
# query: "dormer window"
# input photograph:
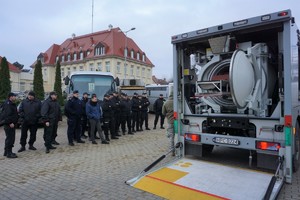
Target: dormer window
(69, 57)
(81, 55)
(88, 53)
(132, 54)
(99, 50)
(144, 58)
(125, 52)
(62, 58)
(138, 55)
(75, 56)
(57, 58)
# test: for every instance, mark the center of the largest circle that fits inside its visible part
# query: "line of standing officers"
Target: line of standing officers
(115, 112)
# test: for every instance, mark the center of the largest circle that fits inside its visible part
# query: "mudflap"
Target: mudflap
(188, 178)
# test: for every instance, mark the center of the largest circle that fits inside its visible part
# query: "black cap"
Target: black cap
(53, 93)
(161, 95)
(31, 93)
(75, 92)
(106, 95)
(11, 94)
(135, 93)
(86, 93)
(94, 95)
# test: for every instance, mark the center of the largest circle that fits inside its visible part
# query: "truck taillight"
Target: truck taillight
(282, 14)
(192, 137)
(271, 146)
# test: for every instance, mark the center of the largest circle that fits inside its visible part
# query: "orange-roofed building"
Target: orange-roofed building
(100, 51)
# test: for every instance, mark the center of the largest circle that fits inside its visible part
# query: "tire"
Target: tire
(207, 149)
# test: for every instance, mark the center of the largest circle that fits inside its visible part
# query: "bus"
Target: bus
(153, 91)
(98, 83)
(131, 86)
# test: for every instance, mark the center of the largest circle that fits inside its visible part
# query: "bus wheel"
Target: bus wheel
(296, 153)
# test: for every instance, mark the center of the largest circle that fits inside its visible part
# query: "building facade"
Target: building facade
(20, 81)
(106, 51)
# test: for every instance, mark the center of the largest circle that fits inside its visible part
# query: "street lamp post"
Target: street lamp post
(125, 50)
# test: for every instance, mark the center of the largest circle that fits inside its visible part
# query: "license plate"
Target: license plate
(230, 141)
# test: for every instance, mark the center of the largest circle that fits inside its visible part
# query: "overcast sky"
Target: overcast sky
(32, 26)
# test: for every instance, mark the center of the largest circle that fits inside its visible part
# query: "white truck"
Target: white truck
(235, 85)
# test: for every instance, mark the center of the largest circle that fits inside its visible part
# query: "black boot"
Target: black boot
(107, 138)
(5, 152)
(10, 154)
(31, 147)
(22, 149)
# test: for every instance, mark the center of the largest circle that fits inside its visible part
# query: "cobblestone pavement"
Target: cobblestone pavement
(87, 171)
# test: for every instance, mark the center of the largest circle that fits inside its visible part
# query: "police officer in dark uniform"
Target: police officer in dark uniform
(108, 118)
(51, 114)
(10, 120)
(73, 110)
(125, 105)
(30, 113)
(135, 108)
(144, 111)
(157, 107)
(116, 107)
(84, 121)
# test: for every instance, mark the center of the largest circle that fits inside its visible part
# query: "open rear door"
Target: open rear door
(195, 179)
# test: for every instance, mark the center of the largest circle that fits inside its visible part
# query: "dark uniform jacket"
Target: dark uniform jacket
(125, 105)
(10, 113)
(145, 103)
(158, 104)
(51, 110)
(30, 110)
(84, 102)
(73, 108)
(115, 104)
(108, 112)
(135, 104)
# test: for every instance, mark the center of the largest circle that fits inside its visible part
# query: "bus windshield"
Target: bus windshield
(98, 84)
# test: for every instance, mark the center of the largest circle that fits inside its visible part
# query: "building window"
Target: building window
(22, 86)
(75, 56)
(74, 68)
(88, 53)
(144, 58)
(138, 55)
(107, 66)
(62, 72)
(118, 67)
(80, 68)
(131, 70)
(132, 54)
(81, 55)
(99, 50)
(56, 59)
(143, 72)
(62, 58)
(91, 67)
(138, 71)
(45, 72)
(99, 66)
(69, 71)
(69, 57)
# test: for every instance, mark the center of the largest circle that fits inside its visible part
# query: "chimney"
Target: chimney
(110, 27)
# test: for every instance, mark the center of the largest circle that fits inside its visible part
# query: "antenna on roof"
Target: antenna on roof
(73, 35)
(92, 14)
